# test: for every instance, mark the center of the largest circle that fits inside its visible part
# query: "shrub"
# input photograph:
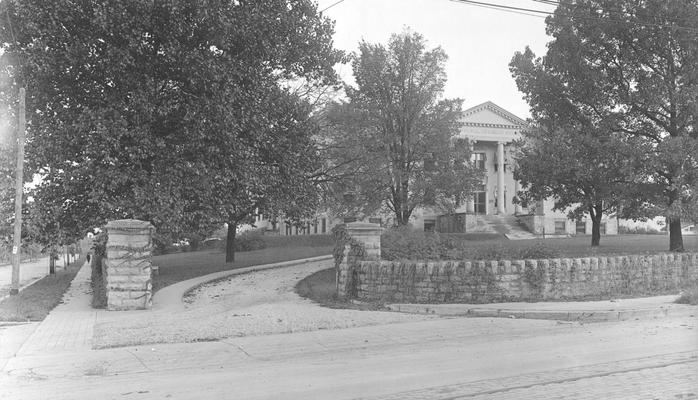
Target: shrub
(249, 240)
(406, 244)
(538, 251)
(639, 230)
(689, 295)
(403, 243)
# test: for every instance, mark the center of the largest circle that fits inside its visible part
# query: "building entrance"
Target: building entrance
(480, 199)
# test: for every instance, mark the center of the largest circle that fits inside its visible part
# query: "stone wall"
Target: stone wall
(487, 281)
(127, 267)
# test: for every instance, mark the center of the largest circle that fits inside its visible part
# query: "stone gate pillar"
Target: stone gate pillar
(369, 235)
(127, 265)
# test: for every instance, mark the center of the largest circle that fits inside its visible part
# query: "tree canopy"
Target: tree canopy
(394, 139)
(629, 69)
(170, 112)
(583, 173)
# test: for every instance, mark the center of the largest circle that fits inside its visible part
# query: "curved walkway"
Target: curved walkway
(170, 298)
(247, 302)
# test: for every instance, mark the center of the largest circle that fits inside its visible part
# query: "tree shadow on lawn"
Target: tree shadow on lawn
(321, 288)
(179, 267)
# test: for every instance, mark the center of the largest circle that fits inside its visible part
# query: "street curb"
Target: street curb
(170, 298)
(569, 315)
(26, 285)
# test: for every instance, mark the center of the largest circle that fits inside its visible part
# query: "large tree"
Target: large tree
(583, 172)
(631, 68)
(172, 112)
(394, 139)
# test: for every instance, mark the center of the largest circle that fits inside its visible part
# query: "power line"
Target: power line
(503, 7)
(526, 11)
(492, 7)
(331, 5)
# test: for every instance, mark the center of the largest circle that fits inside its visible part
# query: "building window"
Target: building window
(349, 219)
(315, 226)
(375, 221)
(288, 229)
(324, 225)
(602, 228)
(581, 227)
(429, 225)
(560, 227)
(478, 160)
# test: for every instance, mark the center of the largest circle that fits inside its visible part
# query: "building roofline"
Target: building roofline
(488, 105)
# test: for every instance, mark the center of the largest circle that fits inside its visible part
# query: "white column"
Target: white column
(500, 178)
(470, 205)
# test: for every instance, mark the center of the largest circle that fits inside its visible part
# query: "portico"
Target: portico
(491, 131)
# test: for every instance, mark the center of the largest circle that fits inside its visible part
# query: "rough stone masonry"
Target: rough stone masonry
(469, 281)
(127, 267)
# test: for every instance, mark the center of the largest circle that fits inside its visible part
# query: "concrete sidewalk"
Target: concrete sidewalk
(69, 326)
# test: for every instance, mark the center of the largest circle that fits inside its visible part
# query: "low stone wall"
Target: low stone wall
(488, 281)
(127, 267)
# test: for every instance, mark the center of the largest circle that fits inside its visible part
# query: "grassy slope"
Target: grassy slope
(579, 246)
(182, 266)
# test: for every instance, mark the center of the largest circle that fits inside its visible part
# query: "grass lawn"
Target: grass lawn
(580, 246)
(182, 266)
(36, 301)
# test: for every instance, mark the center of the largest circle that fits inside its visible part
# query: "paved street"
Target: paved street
(439, 359)
(28, 273)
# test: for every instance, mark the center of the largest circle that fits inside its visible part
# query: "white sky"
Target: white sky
(479, 41)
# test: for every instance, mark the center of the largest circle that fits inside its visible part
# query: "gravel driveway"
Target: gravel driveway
(257, 303)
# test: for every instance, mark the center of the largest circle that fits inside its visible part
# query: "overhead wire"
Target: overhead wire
(527, 11)
(493, 7)
(331, 5)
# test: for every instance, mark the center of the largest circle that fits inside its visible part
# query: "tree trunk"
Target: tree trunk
(52, 262)
(675, 237)
(595, 231)
(595, 212)
(230, 243)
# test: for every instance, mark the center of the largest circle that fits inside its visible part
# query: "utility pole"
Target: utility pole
(19, 187)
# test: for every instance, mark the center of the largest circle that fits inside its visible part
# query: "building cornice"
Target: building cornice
(516, 122)
(488, 125)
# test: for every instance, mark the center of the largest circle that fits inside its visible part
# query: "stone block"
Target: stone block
(518, 266)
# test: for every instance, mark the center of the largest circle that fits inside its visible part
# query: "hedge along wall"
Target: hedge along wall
(487, 281)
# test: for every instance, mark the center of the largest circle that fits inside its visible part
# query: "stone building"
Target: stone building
(492, 131)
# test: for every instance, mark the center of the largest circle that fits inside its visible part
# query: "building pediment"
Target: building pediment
(490, 115)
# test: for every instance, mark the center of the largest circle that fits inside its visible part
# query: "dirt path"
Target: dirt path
(258, 303)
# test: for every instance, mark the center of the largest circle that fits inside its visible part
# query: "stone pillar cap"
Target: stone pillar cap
(129, 224)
